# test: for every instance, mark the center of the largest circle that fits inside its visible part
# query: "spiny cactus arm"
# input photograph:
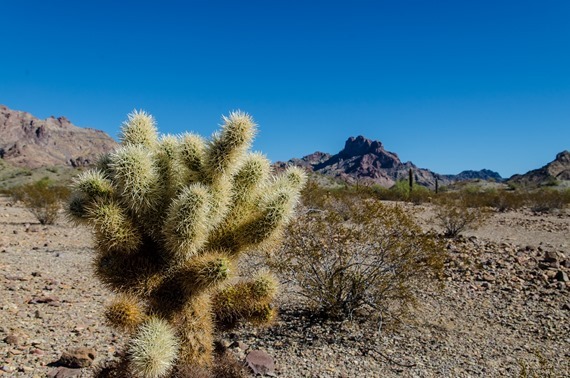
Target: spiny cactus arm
(204, 272)
(252, 176)
(154, 348)
(221, 198)
(187, 223)
(294, 177)
(226, 148)
(88, 187)
(102, 164)
(196, 331)
(114, 230)
(274, 211)
(93, 184)
(171, 172)
(248, 180)
(134, 173)
(277, 208)
(77, 208)
(274, 204)
(245, 301)
(139, 129)
(191, 152)
(223, 157)
(140, 272)
(124, 313)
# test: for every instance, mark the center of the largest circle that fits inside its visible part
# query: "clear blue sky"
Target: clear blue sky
(448, 85)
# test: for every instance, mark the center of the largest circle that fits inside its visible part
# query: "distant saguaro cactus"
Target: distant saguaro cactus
(171, 215)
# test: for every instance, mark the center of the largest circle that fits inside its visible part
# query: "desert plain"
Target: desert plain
(503, 309)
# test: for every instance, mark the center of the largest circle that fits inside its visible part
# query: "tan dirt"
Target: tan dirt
(502, 311)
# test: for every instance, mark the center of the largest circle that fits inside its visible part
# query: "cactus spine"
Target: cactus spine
(171, 215)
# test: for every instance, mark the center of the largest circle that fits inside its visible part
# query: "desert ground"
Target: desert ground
(504, 310)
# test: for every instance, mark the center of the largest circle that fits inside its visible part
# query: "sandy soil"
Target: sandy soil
(504, 310)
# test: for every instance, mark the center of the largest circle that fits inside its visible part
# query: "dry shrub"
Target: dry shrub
(538, 200)
(354, 255)
(456, 216)
(506, 200)
(548, 199)
(42, 198)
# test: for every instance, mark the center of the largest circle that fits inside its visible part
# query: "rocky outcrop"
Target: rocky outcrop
(27, 141)
(556, 170)
(367, 161)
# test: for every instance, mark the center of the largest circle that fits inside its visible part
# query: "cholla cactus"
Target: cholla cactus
(171, 215)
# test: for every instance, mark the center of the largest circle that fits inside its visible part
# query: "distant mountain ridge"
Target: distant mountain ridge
(483, 174)
(29, 142)
(365, 160)
(26, 141)
(556, 170)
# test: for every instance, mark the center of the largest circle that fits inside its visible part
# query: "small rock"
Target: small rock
(25, 369)
(15, 278)
(550, 257)
(8, 368)
(240, 345)
(562, 276)
(260, 362)
(37, 300)
(12, 339)
(77, 357)
(63, 372)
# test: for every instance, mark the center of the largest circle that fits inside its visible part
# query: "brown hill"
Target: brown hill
(556, 170)
(26, 141)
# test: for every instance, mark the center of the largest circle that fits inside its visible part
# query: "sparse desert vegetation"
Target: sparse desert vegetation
(493, 301)
(43, 198)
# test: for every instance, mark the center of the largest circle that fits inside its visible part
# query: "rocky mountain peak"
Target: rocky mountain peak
(563, 157)
(367, 161)
(27, 141)
(360, 146)
(556, 170)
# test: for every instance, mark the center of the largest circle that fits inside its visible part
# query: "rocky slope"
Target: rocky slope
(556, 170)
(367, 161)
(26, 141)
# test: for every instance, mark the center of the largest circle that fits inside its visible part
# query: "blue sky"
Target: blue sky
(448, 85)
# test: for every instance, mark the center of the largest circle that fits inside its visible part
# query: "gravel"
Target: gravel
(504, 309)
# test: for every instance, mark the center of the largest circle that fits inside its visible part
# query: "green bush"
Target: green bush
(456, 216)
(352, 255)
(42, 198)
